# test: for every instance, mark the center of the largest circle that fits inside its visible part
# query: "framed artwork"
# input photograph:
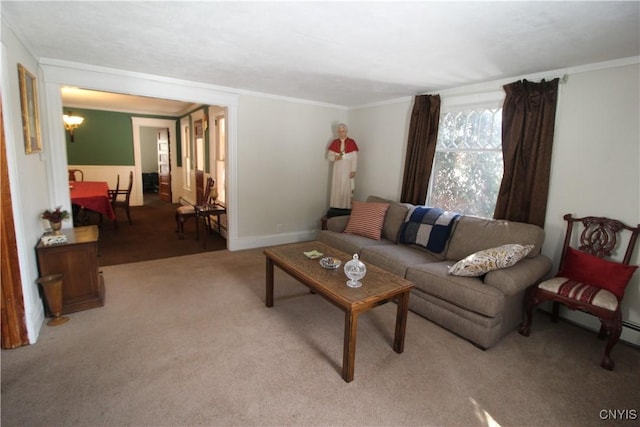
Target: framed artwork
(30, 111)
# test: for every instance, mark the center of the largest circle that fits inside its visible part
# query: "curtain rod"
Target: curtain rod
(563, 78)
(494, 86)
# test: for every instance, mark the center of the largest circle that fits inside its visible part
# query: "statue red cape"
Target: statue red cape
(349, 146)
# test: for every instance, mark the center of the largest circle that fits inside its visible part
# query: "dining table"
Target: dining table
(92, 195)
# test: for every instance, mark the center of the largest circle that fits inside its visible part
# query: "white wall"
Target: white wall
(29, 180)
(149, 148)
(109, 174)
(283, 173)
(596, 163)
(381, 133)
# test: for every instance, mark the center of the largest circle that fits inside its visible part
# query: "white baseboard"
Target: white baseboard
(241, 243)
(628, 335)
(630, 332)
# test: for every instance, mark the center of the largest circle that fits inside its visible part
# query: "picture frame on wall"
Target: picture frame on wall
(30, 111)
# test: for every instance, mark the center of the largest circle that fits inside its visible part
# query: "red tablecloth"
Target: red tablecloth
(92, 195)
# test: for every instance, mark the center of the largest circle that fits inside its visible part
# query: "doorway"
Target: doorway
(156, 165)
(152, 145)
(60, 76)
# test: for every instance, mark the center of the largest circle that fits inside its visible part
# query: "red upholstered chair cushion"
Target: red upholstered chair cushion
(367, 219)
(590, 269)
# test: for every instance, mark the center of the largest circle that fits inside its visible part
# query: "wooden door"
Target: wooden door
(14, 327)
(164, 165)
(199, 187)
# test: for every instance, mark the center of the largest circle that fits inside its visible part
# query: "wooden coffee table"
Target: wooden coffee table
(378, 287)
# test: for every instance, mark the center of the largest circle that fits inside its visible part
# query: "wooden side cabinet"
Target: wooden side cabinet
(77, 260)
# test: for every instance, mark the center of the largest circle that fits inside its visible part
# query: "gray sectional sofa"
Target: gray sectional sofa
(480, 309)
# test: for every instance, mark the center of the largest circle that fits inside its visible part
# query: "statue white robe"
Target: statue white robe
(342, 185)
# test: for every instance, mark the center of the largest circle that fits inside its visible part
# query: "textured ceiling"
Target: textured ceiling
(344, 53)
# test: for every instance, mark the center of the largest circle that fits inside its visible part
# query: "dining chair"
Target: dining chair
(73, 177)
(113, 194)
(121, 198)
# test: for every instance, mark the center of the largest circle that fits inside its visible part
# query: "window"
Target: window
(186, 153)
(198, 133)
(467, 167)
(221, 144)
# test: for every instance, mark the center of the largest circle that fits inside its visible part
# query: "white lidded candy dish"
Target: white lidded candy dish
(355, 270)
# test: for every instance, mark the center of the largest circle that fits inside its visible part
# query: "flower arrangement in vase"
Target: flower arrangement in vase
(55, 217)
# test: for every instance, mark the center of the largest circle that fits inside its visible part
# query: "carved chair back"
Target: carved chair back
(599, 236)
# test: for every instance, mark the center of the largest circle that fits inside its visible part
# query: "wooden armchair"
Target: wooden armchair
(586, 281)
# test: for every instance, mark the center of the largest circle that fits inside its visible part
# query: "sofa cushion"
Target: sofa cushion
(349, 243)
(394, 219)
(474, 234)
(395, 258)
(487, 260)
(516, 279)
(465, 292)
(337, 223)
(483, 331)
(366, 219)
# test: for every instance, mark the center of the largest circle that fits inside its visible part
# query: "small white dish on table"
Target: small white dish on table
(330, 262)
(313, 254)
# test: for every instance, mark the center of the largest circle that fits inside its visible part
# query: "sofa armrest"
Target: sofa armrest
(519, 277)
(337, 223)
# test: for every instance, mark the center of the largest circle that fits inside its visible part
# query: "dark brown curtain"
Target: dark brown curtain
(421, 147)
(528, 121)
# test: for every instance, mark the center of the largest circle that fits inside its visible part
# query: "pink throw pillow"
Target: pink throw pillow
(367, 219)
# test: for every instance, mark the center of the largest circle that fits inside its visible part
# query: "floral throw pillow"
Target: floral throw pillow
(487, 260)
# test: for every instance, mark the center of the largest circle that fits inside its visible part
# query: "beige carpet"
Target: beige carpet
(191, 343)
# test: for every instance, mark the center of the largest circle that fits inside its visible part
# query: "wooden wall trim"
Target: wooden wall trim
(14, 326)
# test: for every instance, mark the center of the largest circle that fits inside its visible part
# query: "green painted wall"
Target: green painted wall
(106, 138)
